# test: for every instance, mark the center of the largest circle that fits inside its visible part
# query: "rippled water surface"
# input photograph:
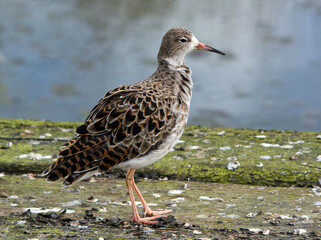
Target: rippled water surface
(57, 58)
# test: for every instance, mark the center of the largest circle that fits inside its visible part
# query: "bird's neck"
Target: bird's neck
(173, 65)
(182, 84)
(175, 62)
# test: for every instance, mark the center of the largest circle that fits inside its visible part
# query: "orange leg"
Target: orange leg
(153, 214)
(148, 211)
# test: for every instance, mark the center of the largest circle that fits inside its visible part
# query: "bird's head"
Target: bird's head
(178, 42)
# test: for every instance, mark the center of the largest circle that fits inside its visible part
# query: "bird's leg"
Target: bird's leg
(136, 218)
(148, 211)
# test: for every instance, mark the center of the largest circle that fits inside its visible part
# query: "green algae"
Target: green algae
(202, 155)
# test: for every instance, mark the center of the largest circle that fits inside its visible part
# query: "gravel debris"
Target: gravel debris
(299, 231)
(269, 145)
(233, 165)
(211, 199)
(225, 148)
(175, 192)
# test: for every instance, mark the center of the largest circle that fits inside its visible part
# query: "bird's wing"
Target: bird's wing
(126, 124)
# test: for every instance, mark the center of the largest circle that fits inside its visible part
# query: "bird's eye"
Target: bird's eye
(183, 40)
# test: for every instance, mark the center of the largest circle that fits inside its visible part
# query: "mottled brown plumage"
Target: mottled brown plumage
(134, 125)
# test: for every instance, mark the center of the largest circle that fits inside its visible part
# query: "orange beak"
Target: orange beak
(202, 46)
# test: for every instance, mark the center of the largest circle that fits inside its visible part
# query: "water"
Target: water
(57, 58)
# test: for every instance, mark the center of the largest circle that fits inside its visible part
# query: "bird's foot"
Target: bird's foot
(151, 216)
(151, 213)
(147, 220)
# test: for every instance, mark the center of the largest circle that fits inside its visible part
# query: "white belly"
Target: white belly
(163, 149)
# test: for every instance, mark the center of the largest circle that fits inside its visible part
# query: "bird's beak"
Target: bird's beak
(202, 46)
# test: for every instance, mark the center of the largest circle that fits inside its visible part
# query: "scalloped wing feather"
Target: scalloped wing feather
(126, 124)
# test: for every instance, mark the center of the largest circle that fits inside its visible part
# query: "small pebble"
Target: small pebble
(260, 198)
(156, 195)
(225, 148)
(221, 133)
(265, 157)
(299, 231)
(193, 147)
(71, 203)
(287, 146)
(304, 218)
(7, 145)
(92, 199)
(179, 157)
(196, 232)
(23, 156)
(82, 227)
(269, 145)
(230, 205)
(285, 217)
(251, 215)
(102, 209)
(211, 199)
(319, 158)
(21, 222)
(259, 165)
(177, 200)
(175, 192)
(13, 197)
(260, 136)
(41, 210)
(317, 191)
(255, 230)
(123, 203)
(233, 165)
(202, 216)
(27, 132)
(297, 142)
(163, 179)
(148, 230)
(34, 156)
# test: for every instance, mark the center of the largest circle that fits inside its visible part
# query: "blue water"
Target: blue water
(57, 58)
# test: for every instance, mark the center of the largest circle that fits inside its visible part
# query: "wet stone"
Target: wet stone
(26, 213)
(169, 221)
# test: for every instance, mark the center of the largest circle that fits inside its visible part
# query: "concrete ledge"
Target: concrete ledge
(225, 155)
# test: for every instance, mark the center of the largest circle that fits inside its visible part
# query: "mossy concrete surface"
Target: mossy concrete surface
(225, 155)
(209, 208)
(100, 209)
